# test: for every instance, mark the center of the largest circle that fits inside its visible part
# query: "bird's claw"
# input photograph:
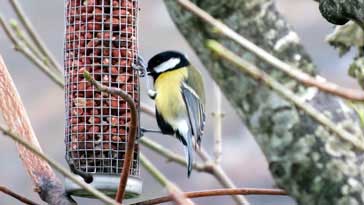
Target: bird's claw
(140, 66)
(144, 130)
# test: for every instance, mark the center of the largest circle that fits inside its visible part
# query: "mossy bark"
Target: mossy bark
(313, 165)
(341, 11)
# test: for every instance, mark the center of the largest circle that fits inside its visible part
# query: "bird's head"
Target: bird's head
(166, 61)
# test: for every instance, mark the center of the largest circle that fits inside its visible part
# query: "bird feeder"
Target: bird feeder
(101, 37)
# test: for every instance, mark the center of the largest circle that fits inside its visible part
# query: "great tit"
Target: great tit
(179, 99)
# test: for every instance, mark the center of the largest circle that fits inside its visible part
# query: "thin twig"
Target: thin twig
(23, 38)
(217, 192)
(131, 135)
(218, 172)
(290, 70)
(172, 156)
(147, 109)
(176, 194)
(214, 169)
(246, 67)
(218, 115)
(57, 78)
(58, 167)
(34, 35)
(17, 196)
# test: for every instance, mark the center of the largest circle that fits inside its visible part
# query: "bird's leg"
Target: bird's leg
(140, 66)
(143, 130)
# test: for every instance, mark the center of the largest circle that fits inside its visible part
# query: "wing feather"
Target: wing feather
(195, 110)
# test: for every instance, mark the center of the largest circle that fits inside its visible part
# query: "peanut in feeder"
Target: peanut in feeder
(101, 38)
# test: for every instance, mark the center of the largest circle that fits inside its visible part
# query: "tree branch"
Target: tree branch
(131, 134)
(218, 115)
(17, 196)
(59, 168)
(216, 192)
(19, 33)
(172, 156)
(246, 67)
(34, 36)
(19, 46)
(176, 194)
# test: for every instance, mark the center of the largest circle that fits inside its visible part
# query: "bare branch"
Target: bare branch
(17, 196)
(246, 67)
(218, 115)
(217, 192)
(176, 194)
(131, 134)
(147, 110)
(58, 167)
(19, 33)
(34, 36)
(19, 46)
(292, 71)
(172, 156)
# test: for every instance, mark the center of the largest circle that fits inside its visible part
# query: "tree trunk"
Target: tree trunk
(311, 164)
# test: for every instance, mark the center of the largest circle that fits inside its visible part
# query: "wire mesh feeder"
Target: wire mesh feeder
(101, 37)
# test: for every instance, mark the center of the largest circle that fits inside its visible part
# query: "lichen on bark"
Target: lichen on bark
(348, 36)
(340, 12)
(313, 165)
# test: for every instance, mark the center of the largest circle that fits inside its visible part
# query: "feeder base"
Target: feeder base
(106, 184)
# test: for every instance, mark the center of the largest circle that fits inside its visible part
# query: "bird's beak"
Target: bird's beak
(148, 72)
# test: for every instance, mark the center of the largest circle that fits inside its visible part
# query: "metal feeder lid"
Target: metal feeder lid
(107, 184)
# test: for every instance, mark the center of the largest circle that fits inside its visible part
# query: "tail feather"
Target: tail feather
(187, 142)
(189, 157)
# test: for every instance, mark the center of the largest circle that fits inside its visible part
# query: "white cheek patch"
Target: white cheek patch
(171, 63)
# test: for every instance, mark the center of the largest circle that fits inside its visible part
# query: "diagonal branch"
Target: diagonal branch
(59, 168)
(21, 47)
(19, 33)
(17, 196)
(131, 134)
(172, 156)
(290, 70)
(176, 194)
(34, 36)
(217, 192)
(246, 67)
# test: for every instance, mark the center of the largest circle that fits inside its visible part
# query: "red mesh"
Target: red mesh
(101, 37)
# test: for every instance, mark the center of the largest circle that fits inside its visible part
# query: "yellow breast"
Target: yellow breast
(169, 100)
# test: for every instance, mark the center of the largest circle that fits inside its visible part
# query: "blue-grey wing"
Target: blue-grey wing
(195, 111)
